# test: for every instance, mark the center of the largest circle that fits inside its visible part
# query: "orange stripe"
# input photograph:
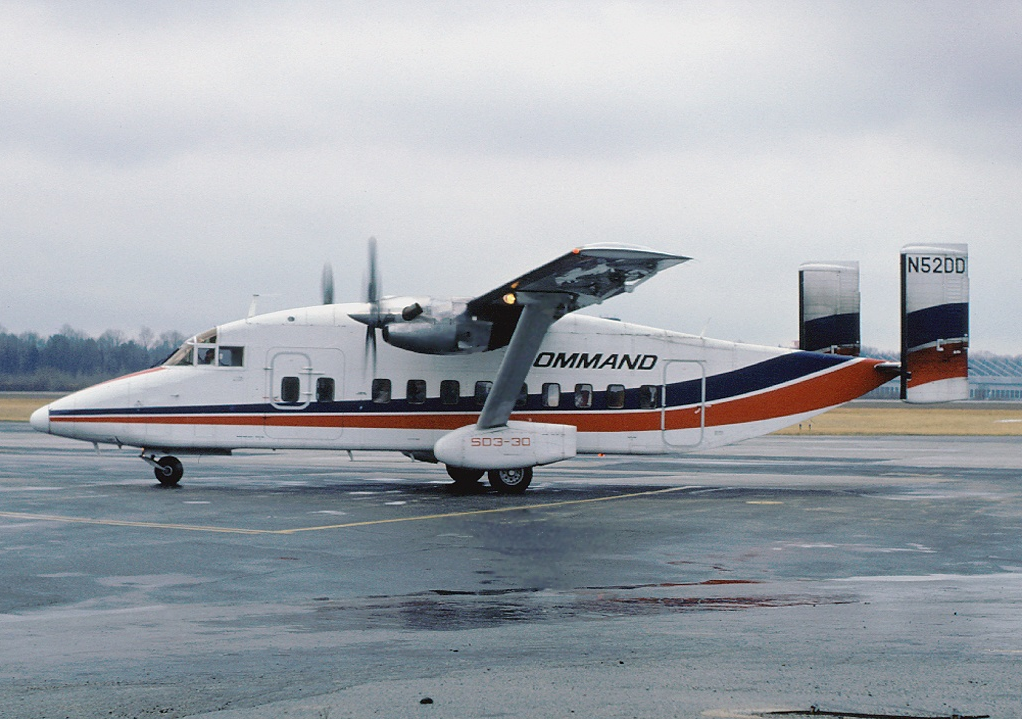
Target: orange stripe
(243, 419)
(930, 364)
(852, 379)
(612, 421)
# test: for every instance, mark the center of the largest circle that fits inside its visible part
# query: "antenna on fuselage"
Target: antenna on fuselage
(252, 307)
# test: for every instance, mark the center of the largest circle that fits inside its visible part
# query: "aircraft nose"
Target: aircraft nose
(40, 419)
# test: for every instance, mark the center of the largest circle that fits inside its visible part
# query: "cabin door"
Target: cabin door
(683, 403)
(303, 389)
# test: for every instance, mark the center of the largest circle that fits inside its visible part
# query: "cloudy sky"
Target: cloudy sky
(161, 162)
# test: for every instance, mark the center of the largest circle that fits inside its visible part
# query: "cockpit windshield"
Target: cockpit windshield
(185, 354)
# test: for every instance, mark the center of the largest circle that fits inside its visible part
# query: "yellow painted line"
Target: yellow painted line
(126, 523)
(495, 510)
(345, 525)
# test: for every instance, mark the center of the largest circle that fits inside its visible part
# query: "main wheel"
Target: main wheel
(169, 471)
(463, 476)
(510, 481)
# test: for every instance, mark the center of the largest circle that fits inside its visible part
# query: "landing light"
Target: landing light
(509, 298)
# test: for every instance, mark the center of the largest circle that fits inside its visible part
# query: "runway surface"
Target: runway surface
(867, 575)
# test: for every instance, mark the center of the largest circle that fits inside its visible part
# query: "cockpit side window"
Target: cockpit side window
(206, 354)
(231, 356)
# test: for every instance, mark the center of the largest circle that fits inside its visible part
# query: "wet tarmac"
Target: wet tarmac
(876, 576)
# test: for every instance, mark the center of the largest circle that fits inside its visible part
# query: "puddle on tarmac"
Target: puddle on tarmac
(453, 609)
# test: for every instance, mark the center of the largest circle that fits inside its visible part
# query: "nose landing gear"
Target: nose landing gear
(168, 469)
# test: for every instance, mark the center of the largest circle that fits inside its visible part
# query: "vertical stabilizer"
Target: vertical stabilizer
(935, 322)
(828, 294)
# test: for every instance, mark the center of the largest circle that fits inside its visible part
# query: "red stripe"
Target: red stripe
(930, 364)
(852, 379)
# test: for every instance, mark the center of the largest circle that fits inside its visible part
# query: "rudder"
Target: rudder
(828, 294)
(935, 322)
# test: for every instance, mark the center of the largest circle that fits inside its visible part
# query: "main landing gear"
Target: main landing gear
(168, 469)
(504, 481)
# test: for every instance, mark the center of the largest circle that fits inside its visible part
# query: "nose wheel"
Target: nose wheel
(168, 470)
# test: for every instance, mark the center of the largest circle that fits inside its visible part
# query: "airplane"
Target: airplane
(515, 379)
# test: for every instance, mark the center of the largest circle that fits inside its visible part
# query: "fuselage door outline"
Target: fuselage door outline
(676, 371)
(288, 364)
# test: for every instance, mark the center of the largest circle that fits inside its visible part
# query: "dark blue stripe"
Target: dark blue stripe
(834, 330)
(754, 378)
(942, 322)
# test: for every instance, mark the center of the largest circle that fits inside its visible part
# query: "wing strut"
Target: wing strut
(540, 310)
(521, 312)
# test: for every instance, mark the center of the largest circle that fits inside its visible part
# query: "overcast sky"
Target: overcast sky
(160, 162)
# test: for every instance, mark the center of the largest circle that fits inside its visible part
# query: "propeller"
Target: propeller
(374, 320)
(327, 284)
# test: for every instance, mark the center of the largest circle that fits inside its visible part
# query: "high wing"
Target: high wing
(523, 309)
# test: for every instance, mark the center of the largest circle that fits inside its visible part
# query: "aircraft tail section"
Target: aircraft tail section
(934, 322)
(829, 307)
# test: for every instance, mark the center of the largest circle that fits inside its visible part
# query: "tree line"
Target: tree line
(70, 359)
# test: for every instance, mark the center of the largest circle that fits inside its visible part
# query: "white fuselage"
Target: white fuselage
(302, 378)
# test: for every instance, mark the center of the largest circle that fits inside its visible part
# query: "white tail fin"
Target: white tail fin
(828, 294)
(934, 322)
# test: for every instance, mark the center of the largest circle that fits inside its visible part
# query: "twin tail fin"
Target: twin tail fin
(934, 317)
(934, 322)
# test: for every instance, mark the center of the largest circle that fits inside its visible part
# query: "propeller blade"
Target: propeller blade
(373, 298)
(370, 348)
(327, 284)
(373, 285)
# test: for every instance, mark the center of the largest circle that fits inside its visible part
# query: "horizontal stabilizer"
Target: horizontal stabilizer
(935, 322)
(829, 307)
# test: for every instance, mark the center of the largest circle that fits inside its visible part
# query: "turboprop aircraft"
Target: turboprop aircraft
(514, 378)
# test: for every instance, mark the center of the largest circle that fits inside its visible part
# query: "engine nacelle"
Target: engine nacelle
(439, 337)
(518, 444)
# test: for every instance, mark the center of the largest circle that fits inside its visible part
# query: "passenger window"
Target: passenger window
(325, 389)
(416, 393)
(649, 396)
(231, 356)
(523, 397)
(482, 392)
(381, 391)
(583, 396)
(551, 394)
(616, 396)
(290, 389)
(450, 392)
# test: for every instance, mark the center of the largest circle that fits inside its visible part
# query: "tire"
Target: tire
(464, 476)
(169, 471)
(510, 481)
